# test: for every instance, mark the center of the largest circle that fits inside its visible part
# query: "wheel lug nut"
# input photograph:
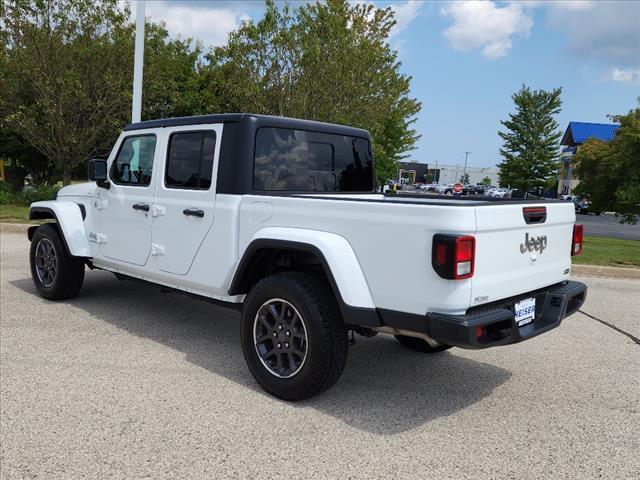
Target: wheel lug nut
(275, 334)
(288, 333)
(279, 345)
(286, 345)
(280, 327)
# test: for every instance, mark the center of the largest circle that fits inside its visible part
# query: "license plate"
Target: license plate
(525, 311)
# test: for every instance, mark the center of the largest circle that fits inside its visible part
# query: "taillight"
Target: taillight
(453, 256)
(576, 243)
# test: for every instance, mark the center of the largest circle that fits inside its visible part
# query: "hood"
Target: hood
(87, 189)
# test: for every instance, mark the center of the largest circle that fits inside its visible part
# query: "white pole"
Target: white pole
(138, 62)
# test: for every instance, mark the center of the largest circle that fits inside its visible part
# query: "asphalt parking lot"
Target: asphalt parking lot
(128, 382)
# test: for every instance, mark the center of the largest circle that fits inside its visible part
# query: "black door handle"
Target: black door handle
(193, 212)
(141, 206)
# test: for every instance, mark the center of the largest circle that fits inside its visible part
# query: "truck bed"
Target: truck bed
(392, 239)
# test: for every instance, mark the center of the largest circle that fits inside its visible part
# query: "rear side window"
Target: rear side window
(303, 161)
(134, 163)
(190, 160)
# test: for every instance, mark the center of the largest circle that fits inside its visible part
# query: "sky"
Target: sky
(466, 59)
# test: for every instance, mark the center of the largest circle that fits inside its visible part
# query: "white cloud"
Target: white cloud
(206, 23)
(404, 13)
(625, 76)
(484, 25)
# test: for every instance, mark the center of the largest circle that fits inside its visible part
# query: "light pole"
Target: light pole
(138, 61)
(466, 156)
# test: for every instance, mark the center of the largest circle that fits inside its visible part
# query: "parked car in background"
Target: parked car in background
(502, 193)
(444, 189)
(584, 206)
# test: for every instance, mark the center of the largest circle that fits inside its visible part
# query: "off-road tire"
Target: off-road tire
(326, 344)
(420, 345)
(69, 271)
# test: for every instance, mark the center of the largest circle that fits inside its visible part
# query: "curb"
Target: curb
(14, 227)
(602, 271)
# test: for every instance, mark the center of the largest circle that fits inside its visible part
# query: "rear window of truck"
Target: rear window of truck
(303, 161)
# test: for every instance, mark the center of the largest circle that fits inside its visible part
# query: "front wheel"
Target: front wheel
(55, 274)
(293, 337)
(420, 345)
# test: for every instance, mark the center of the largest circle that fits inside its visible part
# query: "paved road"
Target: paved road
(608, 226)
(127, 382)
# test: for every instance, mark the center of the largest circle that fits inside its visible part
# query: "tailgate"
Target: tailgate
(505, 266)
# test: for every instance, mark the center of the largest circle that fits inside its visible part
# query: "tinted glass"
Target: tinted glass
(301, 161)
(190, 160)
(134, 163)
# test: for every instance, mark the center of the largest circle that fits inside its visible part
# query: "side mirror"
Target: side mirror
(98, 172)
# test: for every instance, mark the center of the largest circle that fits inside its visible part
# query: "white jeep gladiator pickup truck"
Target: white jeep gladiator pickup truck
(279, 217)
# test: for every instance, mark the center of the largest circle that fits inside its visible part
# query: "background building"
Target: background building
(412, 171)
(452, 174)
(445, 174)
(574, 136)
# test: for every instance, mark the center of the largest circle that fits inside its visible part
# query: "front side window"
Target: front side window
(134, 163)
(303, 161)
(190, 160)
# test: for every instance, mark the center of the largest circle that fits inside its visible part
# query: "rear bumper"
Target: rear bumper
(494, 324)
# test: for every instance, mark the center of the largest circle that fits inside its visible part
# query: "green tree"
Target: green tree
(610, 172)
(61, 81)
(171, 81)
(66, 75)
(486, 181)
(329, 62)
(531, 140)
(464, 178)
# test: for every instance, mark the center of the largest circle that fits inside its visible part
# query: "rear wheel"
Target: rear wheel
(293, 338)
(420, 345)
(55, 274)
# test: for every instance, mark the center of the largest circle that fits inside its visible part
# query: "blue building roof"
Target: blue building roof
(579, 132)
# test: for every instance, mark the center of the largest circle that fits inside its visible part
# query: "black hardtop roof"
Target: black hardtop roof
(258, 120)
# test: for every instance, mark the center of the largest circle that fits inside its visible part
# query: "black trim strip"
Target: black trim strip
(470, 202)
(214, 301)
(44, 213)
(83, 210)
(366, 317)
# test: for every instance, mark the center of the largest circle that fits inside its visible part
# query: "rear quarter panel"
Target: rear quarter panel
(391, 241)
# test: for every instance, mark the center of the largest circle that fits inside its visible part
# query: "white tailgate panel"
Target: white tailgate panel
(501, 269)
